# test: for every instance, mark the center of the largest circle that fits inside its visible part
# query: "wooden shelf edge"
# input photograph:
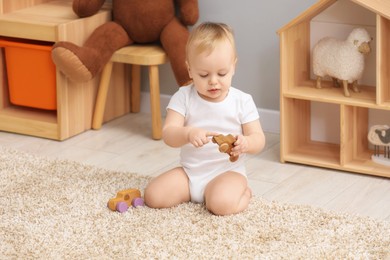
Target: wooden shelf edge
(366, 98)
(34, 127)
(303, 159)
(368, 167)
(355, 166)
(26, 30)
(35, 22)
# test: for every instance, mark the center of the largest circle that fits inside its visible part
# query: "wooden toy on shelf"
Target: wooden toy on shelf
(125, 199)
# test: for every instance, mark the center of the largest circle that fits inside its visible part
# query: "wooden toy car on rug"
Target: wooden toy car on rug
(379, 136)
(125, 199)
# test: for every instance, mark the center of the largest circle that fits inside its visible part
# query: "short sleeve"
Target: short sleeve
(178, 101)
(248, 109)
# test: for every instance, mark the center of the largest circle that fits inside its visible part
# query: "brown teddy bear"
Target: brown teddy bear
(226, 144)
(134, 21)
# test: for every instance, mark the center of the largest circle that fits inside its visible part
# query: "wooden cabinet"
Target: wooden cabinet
(298, 95)
(54, 21)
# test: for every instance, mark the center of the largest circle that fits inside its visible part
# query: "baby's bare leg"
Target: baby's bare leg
(167, 190)
(227, 194)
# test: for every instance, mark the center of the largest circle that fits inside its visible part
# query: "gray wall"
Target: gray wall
(255, 23)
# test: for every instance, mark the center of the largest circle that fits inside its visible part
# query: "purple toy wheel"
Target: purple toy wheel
(121, 207)
(137, 202)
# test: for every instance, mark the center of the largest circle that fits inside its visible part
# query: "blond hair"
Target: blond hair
(208, 35)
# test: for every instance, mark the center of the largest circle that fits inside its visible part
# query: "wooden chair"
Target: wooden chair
(137, 56)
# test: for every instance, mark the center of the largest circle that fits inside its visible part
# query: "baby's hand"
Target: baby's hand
(240, 146)
(199, 137)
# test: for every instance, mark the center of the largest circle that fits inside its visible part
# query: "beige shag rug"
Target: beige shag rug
(53, 209)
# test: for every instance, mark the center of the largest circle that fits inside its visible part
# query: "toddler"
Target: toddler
(197, 112)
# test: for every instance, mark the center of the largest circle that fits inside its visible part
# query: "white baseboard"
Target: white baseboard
(270, 119)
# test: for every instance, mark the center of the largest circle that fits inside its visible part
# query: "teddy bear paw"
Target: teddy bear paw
(69, 64)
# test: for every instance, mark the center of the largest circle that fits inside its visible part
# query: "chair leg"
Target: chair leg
(135, 88)
(155, 102)
(101, 97)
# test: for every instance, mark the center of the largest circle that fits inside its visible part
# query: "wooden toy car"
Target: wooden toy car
(226, 144)
(125, 199)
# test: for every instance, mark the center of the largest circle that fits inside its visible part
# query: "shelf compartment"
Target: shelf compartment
(52, 21)
(296, 141)
(31, 73)
(355, 155)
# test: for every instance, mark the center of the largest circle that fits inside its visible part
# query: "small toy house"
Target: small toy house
(350, 117)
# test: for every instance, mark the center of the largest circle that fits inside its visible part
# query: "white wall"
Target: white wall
(255, 23)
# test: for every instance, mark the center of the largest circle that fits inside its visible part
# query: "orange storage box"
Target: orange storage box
(31, 73)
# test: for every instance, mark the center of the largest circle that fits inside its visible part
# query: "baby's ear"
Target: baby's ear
(234, 65)
(188, 69)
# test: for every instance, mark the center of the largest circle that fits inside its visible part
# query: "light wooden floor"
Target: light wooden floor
(124, 144)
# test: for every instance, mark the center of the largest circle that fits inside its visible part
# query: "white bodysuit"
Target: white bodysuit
(226, 117)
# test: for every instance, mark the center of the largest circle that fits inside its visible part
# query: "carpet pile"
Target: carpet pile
(56, 209)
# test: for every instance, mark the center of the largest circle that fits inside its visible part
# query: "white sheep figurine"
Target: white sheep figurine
(379, 136)
(341, 60)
